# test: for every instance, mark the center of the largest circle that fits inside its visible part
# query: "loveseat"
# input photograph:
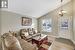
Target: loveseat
(28, 34)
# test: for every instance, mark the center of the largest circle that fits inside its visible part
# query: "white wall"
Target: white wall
(12, 21)
(74, 18)
(0, 23)
(0, 33)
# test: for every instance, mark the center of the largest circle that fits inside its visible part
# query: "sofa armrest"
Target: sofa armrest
(3, 46)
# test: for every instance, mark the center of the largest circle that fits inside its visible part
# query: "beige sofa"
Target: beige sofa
(12, 43)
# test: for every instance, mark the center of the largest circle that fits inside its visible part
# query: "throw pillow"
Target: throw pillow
(25, 34)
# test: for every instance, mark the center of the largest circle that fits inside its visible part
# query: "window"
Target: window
(46, 25)
(4, 4)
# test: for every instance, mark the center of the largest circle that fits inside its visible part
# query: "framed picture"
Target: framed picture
(26, 21)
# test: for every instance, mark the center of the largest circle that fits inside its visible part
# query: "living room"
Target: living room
(13, 20)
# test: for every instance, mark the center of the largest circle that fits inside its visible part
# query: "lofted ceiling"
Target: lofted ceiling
(33, 8)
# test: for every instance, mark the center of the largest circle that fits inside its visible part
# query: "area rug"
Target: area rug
(41, 48)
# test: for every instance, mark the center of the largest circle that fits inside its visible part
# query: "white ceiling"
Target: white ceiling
(33, 8)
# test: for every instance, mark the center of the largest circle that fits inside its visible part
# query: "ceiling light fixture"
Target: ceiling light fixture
(62, 12)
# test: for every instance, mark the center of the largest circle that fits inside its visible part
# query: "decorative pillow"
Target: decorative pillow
(25, 34)
(30, 32)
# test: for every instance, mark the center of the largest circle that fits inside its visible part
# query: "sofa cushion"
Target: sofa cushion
(26, 45)
(12, 43)
(9, 41)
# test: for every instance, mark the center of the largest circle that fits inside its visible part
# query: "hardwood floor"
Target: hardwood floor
(61, 46)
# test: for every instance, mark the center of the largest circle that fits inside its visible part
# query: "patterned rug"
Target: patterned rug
(41, 48)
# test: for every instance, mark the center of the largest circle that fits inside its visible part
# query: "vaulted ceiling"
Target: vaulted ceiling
(33, 8)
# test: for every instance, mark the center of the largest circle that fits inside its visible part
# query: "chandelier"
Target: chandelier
(62, 12)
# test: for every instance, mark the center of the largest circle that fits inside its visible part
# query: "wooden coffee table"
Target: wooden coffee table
(40, 39)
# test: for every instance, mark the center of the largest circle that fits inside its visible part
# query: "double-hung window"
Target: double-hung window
(47, 25)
